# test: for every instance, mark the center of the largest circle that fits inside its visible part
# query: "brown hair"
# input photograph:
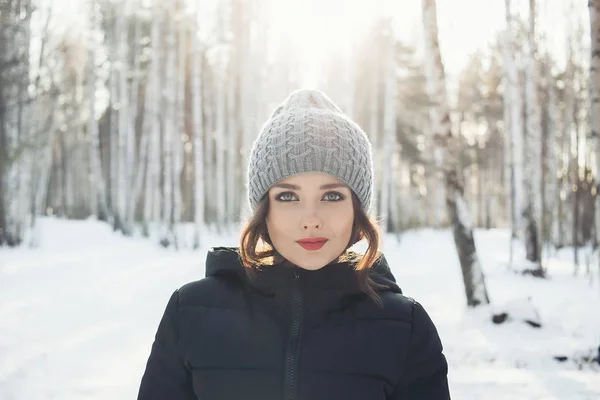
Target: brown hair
(256, 248)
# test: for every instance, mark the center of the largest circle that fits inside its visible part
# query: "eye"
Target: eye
(333, 196)
(285, 196)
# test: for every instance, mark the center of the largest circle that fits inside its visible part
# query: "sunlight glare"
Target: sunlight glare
(312, 29)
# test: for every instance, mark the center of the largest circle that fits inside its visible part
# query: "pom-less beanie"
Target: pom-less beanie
(309, 133)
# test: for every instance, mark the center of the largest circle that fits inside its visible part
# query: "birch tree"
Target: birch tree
(553, 194)
(374, 129)
(98, 205)
(197, 134)
(445, 152)
(515, 99)
(24, 160)
(532, 206)
(15, 139)
(135, 160)
(232, 142)
(179, 125)
(124, 134)
(168, 134)
(153, 103)
(594, 8)
(389, 131)
(220, 137)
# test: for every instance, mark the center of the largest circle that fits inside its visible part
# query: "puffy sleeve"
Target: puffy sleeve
(425, 368)
(166, 375)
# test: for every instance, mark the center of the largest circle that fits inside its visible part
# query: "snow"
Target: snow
(519, 309)
(79, 314)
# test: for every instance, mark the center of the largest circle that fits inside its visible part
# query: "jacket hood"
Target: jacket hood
(226, 261)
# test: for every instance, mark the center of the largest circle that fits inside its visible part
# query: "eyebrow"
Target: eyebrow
(323, 187)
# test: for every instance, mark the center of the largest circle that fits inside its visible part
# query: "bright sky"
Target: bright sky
(464, 25)
(313, 28)
(336, 23)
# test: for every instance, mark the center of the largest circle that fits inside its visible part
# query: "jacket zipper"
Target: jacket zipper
(291, 366)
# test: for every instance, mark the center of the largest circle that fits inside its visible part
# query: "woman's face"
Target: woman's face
(307, 207)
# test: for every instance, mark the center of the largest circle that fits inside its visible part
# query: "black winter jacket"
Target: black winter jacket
(293, 334)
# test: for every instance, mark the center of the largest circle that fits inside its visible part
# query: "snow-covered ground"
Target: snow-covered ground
(79, 313)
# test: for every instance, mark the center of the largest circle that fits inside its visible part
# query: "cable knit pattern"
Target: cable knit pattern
(309, 133)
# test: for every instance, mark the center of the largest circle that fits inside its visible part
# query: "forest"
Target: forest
(140, 114)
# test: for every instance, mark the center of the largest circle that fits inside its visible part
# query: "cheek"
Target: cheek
(278, 222)
(342, 220)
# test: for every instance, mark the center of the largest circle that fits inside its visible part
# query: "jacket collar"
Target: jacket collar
(336, 276)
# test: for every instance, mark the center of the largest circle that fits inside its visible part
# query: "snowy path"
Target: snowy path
(79, 314)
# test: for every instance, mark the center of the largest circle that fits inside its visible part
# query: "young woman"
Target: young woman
(292, 313)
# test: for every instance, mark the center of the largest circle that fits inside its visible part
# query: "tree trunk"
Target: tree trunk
(198, 133)
(25, 161)
(153, 103)
(516, 126)
(389, 131)
(566, 192)
(168, 135)
(124, 133)
(220, 136)
(509, 190)
(135, 161)
(97, 184)
(374, 133)
(552, 192)
(232, 145)
(446, 148)
(594, 6)
(15, 143)
(531, 210)
(179, 89)
(209, 151)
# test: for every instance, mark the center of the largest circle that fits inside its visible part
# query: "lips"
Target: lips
(312, 243)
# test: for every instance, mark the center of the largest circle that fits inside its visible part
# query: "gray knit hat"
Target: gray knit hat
(308, 133)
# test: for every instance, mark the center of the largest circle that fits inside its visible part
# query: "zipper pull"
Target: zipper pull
(296, 274)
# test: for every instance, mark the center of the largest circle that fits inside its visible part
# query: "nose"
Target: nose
(308, 226)
(311, 222)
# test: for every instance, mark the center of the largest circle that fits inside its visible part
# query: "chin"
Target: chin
(313, 262)
(311, 267)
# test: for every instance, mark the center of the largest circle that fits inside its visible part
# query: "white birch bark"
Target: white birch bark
(209, 149)
(553, 194)
(531, 207)
(178, 142)
(374, 134)
(516, 121)
(134, 156)
(446, 147)
(508, 164)
(220, 137)
(249, 94)
(232, 147)
(153, 103)
(6, 51)
(123, 131)
(97, 183)
(389, 131)
(25, 161)
(594, 7)
(42, 121)
(198, 133)
(15, 143)
(113, 125)
(569, 136)
(168, 136)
